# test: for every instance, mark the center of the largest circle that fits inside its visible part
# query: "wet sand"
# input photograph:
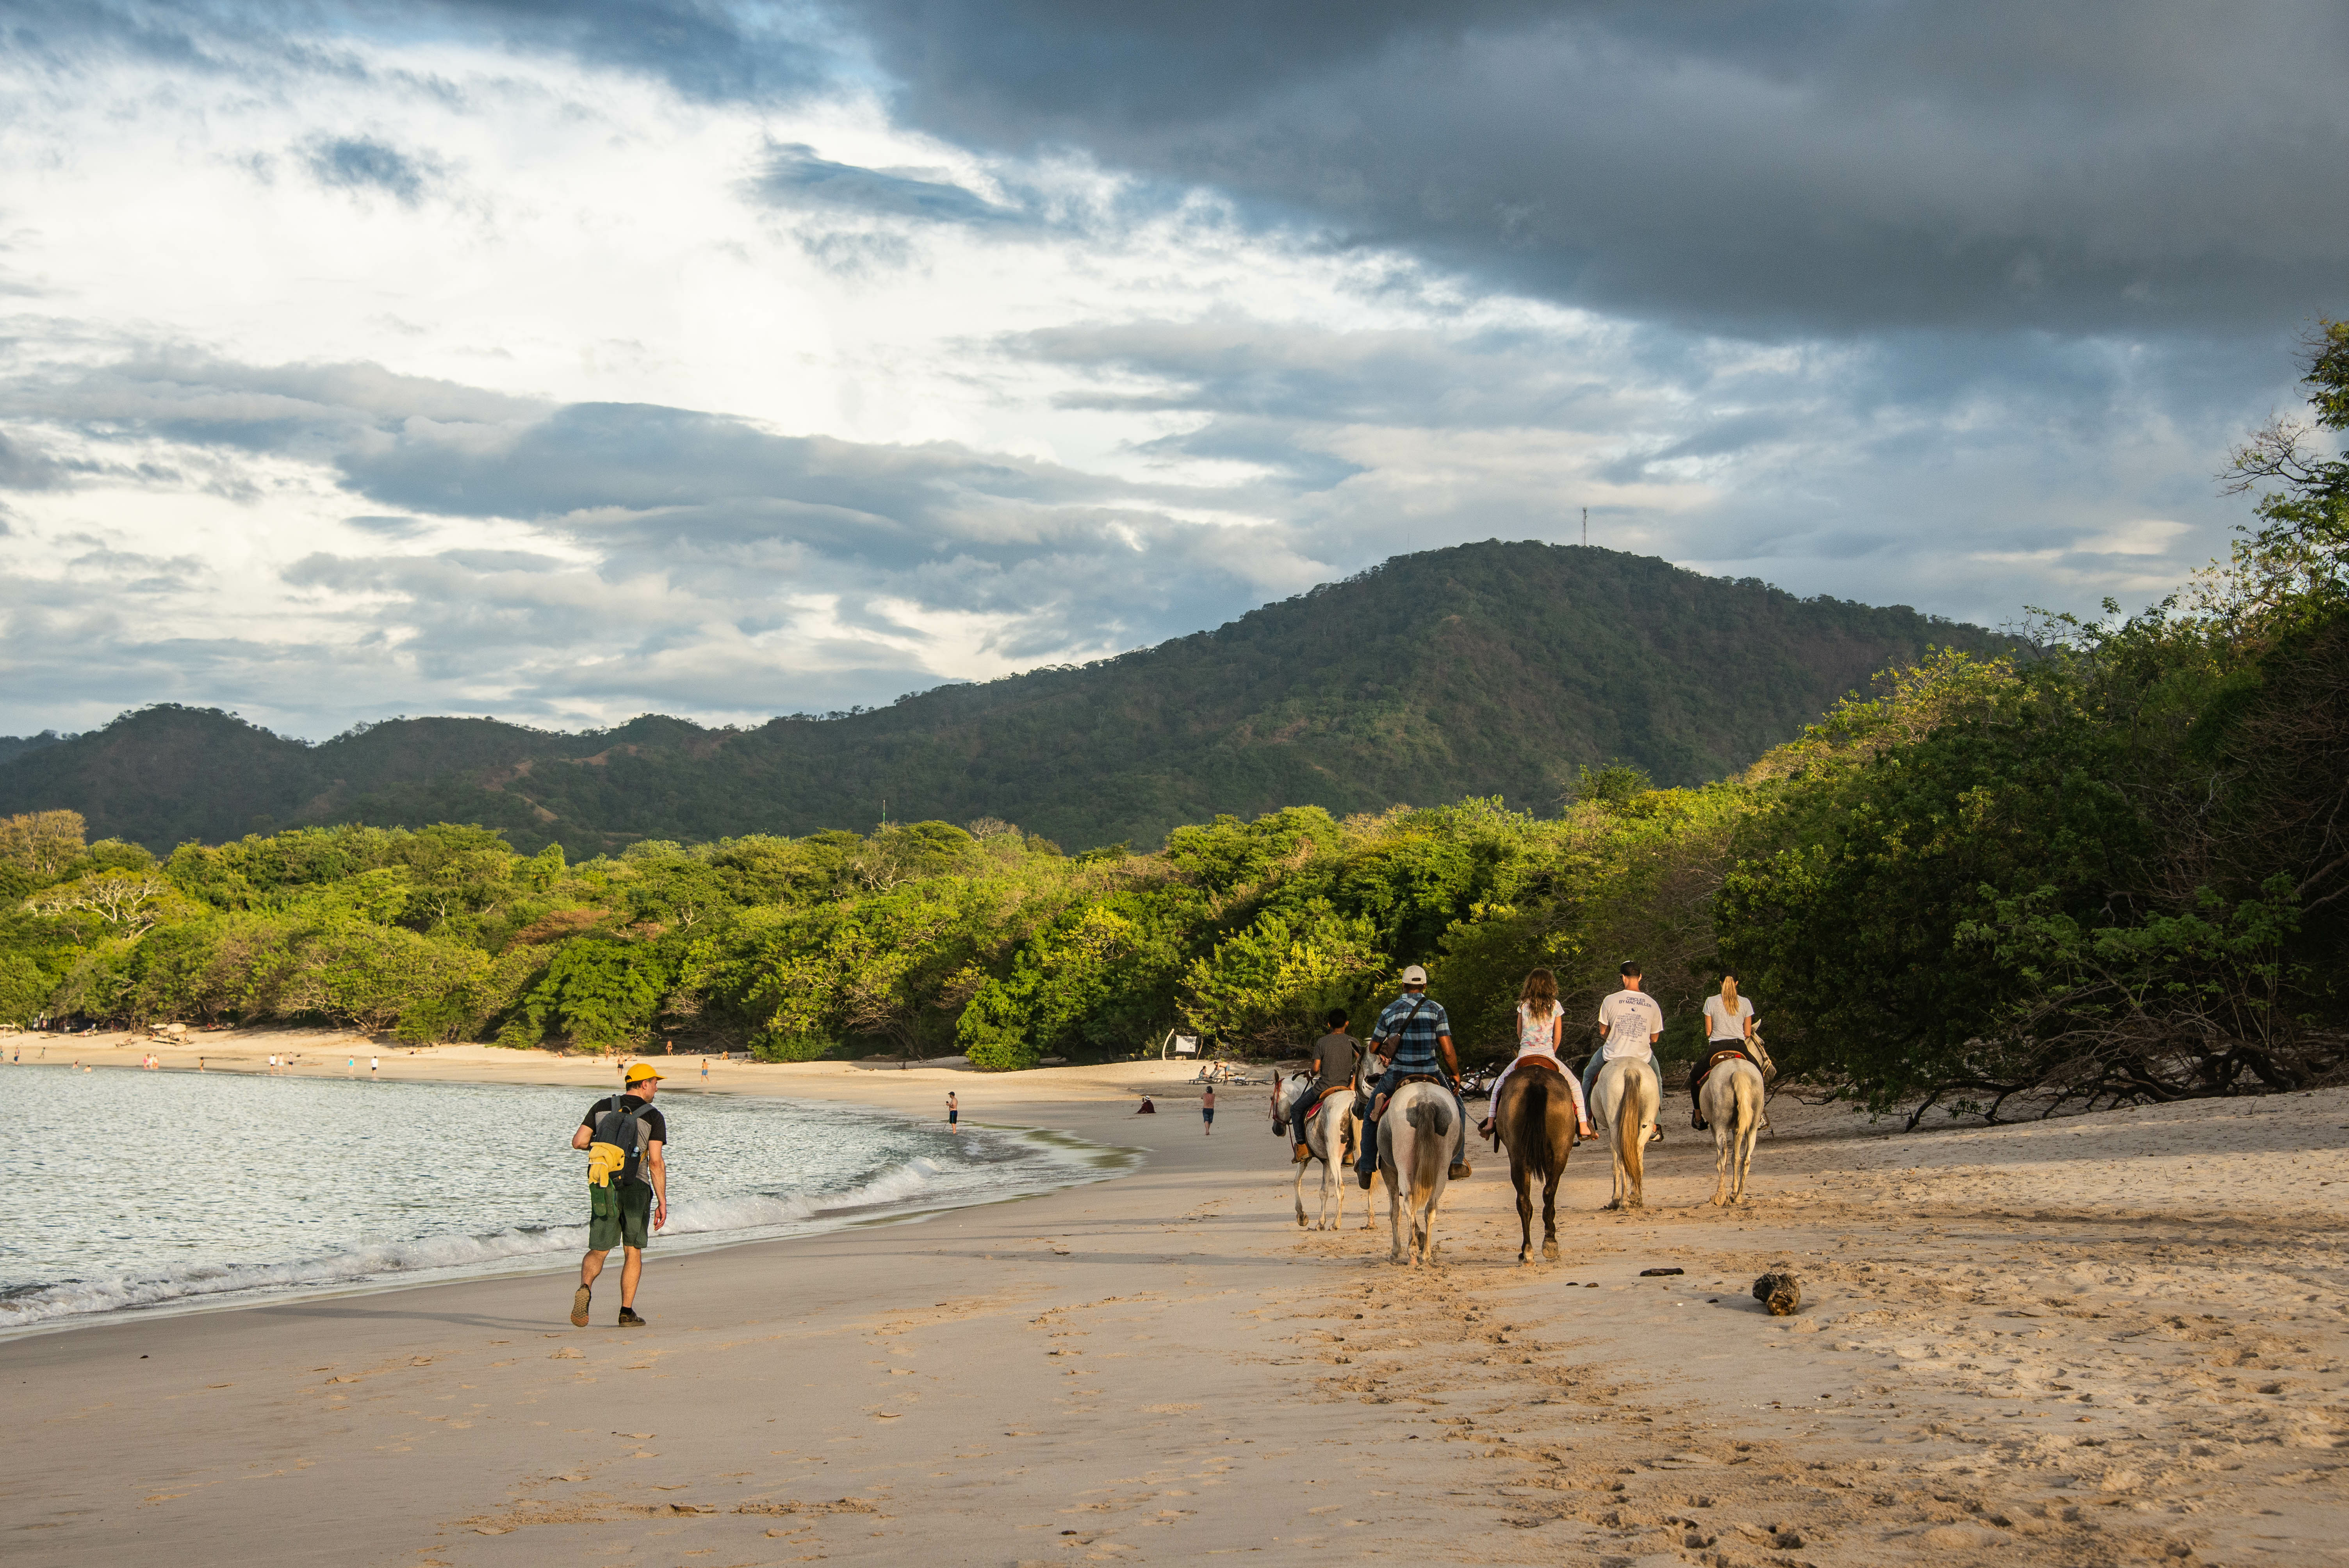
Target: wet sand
(2115, 1338)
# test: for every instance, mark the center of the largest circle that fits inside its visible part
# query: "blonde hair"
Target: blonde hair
(1539, 997)
(1729, 997)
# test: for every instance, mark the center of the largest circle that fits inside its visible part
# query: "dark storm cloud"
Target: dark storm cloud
(362, 163)
(793, 176)
(1819, 168)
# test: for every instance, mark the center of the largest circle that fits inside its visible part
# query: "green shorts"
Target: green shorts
(619, 1213)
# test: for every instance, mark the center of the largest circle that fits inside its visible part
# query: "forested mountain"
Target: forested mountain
(1488, 669)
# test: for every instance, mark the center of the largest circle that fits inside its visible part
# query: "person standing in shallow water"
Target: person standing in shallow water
(954, 1112)
(636, 1192)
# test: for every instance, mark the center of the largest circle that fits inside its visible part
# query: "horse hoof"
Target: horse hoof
(1550, 1250)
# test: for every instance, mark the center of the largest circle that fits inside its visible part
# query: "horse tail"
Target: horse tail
(1630, 1146)
(1430, 1120)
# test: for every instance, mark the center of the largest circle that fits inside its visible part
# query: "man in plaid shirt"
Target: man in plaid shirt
(1414, 1035)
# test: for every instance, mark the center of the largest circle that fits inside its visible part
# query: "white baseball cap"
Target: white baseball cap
(1415, 976)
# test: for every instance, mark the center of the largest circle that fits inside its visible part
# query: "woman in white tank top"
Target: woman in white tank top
(1540, 1025)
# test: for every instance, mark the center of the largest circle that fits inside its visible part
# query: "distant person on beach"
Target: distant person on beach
(705, 1069)
(1146, 1108)
(954, 1112)
(627, 1184)
(375, 1064)
(1207, 1110)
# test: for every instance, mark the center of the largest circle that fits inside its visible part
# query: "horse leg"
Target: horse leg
(1395, 1151)
(1298, 1193)
(1517, 1174)
(1749, 1127)
(1337, 1165)
(1725, 1135)
(1549, 1211)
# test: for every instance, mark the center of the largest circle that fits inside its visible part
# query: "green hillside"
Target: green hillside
(1488, 669)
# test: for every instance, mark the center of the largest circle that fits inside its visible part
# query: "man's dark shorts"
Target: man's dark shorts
(619, 1214)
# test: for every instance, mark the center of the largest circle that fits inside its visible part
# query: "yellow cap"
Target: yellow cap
(642, 1071)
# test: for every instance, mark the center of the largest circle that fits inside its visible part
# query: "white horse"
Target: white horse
(1422, 1133)
(1330, 1132)
(1731, 1100)
(1624, 1101)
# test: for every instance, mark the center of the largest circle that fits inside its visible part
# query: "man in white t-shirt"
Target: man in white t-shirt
(1633, 1025)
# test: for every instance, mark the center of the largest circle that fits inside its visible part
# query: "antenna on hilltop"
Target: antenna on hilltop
(1585, 528)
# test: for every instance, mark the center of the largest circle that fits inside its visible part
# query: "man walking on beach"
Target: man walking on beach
(626, 1187)
(1412, 1033)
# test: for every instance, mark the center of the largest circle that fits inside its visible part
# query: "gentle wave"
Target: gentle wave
(743, 1217)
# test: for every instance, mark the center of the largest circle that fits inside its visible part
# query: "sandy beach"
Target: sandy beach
(2113, 1338)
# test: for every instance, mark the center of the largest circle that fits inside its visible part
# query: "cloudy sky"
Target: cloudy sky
(565, 361)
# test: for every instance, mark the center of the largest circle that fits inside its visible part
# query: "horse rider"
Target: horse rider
(1413, 1037)
(1729, 1032)
(1336, 1054)
(1632, 1025)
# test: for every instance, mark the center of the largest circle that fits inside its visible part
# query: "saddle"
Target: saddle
(1302, 1111)
(1550, 1062)
(1726, 1053)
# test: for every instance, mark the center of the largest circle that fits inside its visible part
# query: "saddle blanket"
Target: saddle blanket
(1305, 1109)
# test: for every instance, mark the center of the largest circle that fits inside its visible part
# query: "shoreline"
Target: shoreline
(245, 1054)
(2116, 1337)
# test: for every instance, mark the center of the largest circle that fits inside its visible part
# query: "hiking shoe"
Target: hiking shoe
(1656, 1134)
(1696, 1119)
(628, 1318)
(579, 1308)
(1460, 1170)
(1304, 1152)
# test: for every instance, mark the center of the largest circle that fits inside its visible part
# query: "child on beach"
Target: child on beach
(1207, 1110)
(954, 1112)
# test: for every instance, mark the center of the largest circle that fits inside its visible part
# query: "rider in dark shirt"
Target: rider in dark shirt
(1335, 1056)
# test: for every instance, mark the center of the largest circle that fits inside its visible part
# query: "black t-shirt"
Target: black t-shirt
(652, 1124)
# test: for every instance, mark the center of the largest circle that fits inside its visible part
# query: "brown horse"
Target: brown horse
(1535, 1120)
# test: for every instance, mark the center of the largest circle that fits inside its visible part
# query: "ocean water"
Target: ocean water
(141, 1191)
